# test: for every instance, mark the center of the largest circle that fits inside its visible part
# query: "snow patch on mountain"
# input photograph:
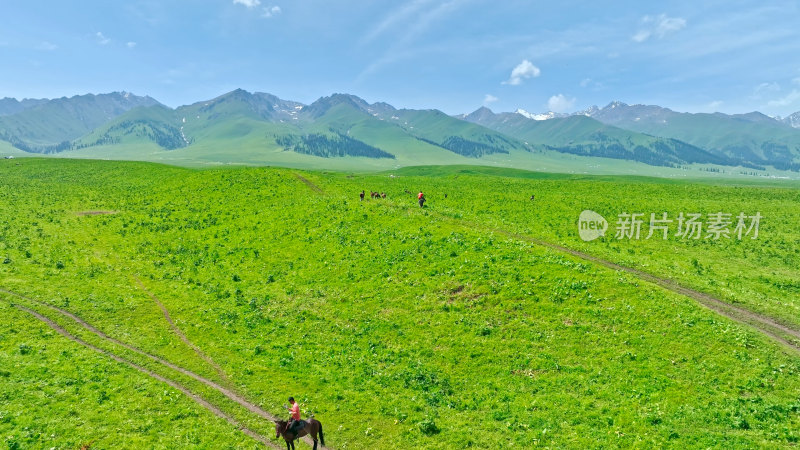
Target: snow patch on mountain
(545, 116)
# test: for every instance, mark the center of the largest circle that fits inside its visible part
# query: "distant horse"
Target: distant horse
(383, 194)
(361, 195)
(311, 427)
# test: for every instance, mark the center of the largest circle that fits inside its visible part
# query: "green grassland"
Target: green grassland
(398, 327)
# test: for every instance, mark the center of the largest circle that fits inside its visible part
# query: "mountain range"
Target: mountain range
(239, 126)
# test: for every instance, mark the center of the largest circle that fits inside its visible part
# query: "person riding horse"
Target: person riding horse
(295, 428)
(294, 420)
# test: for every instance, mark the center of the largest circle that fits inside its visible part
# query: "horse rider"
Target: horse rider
(295, 414)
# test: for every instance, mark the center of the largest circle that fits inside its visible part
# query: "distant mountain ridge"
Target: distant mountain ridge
(583, 135)
(344, 125)
(793, 120)
(9, 106)
(50, 126)
(751, 137)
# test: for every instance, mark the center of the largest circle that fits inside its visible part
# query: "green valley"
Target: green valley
(465, 323)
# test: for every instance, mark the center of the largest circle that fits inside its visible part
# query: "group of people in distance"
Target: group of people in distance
(373, 194)
(420, 196)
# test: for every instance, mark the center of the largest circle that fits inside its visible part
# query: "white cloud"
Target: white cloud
(489, 99)
(395, 18)
(271, 11)
(641, 36)
(247, 3)
(560, 104)
(765, 90)
(714, 106)
(524, 70)
(407, 25)
(658, 27)
(790, 99)
(101, 39)
(46, 46)
(131, 44)
(768, 87)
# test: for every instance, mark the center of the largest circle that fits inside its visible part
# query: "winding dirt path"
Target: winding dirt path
(196, 398)
(309, 183)
(769, 326)
(784, 334)
(181, 335)
(788, 336)
(231, 395)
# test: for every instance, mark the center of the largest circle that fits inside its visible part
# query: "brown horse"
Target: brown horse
(311, 427)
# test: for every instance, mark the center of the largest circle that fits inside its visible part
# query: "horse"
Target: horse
(311, 427)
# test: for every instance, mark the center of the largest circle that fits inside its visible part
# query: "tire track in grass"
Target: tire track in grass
(194, 397)
(786, 335)
(233, 396)
(182, 336)
(310, 184)
(768, 326)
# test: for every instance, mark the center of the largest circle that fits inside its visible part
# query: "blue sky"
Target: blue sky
(454, 55)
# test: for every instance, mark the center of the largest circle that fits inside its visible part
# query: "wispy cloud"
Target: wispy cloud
(523, 71)
(247, 3)
(765, 90)
(101, 39)
(46, 46)
(131, 44)
(266, 12)
(410, 21)
(560, 103)
(271, 11)
(789, 99)
(395, 18)
(489, 99)
(658, 27)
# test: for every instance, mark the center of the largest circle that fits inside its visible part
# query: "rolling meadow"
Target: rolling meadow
(448, 326)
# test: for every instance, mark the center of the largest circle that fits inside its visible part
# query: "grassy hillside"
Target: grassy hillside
(439, 325)
(585, 136)
(754, 137)
(51, 126)
(344, 132)
(157, 125)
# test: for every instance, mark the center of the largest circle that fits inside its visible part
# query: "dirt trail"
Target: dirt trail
(202, 402)
(310, 184)
(182, 336)
(233, 396)
(94, 213)
(784, 334)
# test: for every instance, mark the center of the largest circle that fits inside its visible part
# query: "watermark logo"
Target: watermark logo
(712, 226)
(591, 225)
